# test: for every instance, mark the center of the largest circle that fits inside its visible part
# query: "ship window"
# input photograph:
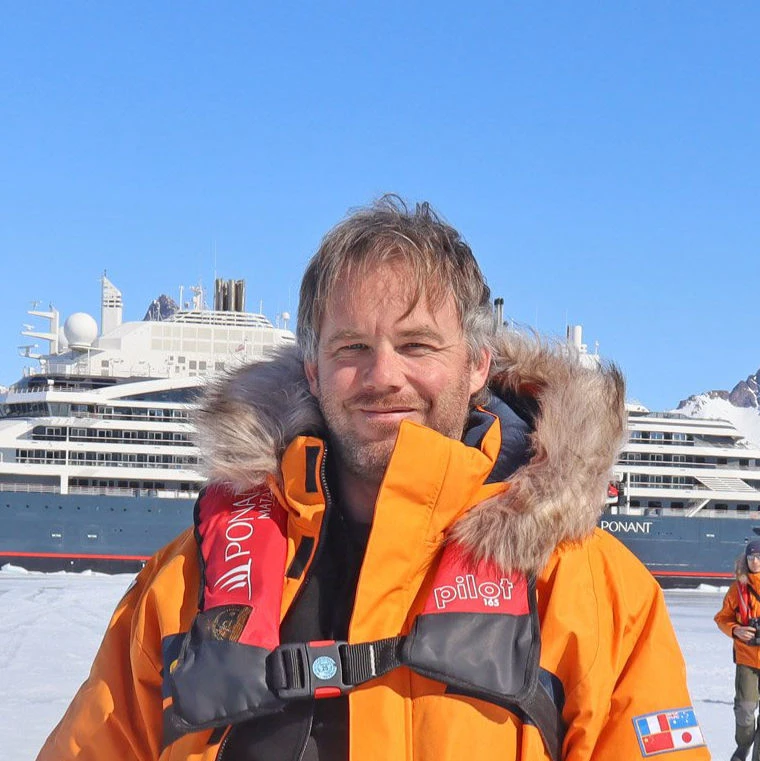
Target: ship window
(743, 507)
(218, 365)
(193, 364)
(104, 363)
(181, 360)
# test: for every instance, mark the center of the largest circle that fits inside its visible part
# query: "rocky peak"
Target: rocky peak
(746, 393)
(161, 308)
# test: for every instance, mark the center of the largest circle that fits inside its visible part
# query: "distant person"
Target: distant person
(739, 618)
(396, 554)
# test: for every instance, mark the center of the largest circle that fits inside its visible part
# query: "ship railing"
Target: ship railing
(134, 492)
(634, 486)
(90, 368)
(102, 491)
(707, 512)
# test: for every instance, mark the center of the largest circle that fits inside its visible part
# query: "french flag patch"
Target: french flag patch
(667, 731)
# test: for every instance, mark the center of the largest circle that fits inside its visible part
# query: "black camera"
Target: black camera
(755, 624)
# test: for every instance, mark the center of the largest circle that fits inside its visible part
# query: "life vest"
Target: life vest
(478, 633)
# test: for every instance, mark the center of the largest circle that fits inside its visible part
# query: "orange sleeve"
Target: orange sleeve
(726, 616)
(636, 676)
(117, 712)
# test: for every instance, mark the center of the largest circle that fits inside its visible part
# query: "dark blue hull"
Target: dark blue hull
(109, 533)
(119, 533)
(682, 551)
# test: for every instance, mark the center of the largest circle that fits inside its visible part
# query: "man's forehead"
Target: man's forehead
(394, 282)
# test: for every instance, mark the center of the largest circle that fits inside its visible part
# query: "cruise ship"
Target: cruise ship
(97, 464)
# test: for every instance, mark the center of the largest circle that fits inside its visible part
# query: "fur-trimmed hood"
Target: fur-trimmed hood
(246, 420)
(741, 571)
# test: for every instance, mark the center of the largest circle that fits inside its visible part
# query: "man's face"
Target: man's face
(377, 365)
(753, 562)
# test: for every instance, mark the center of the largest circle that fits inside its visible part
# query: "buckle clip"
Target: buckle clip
(308, 669)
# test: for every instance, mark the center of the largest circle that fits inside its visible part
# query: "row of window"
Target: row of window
(637, 479)
(56, 433)
(658, 457)
(97, 411)
(118, 459)
(112, 483)
(661, 437)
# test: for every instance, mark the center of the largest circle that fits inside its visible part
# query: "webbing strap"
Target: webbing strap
(542, 712)
(368, 660)
(327, 668)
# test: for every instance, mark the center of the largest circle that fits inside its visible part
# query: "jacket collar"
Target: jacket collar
(560, 424)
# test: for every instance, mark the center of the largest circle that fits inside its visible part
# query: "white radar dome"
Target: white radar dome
(80, 330)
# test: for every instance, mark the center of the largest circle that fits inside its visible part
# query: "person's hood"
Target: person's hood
(742, 572)
(246, 419)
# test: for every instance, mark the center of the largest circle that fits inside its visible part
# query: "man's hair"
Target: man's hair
(438, 260)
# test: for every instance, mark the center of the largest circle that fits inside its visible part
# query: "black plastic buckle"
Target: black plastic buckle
(308, 669)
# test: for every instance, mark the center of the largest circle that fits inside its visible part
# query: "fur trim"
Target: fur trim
(247, 418)
(558, 496)
(741, 569)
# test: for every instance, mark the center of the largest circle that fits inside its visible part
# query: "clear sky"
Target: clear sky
(602, 159)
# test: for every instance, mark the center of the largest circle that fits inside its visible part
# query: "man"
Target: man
(396, 555)
(738, 618)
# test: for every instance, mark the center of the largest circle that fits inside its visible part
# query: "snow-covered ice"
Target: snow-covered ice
(51, 626)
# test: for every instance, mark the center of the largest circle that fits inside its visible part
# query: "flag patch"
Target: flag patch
(667, 731)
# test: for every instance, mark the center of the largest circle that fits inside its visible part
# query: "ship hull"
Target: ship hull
(681, 551)
(107, 533)
(118, 533)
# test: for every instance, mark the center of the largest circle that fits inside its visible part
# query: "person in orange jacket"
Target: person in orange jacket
(739, 618)
(396, 555)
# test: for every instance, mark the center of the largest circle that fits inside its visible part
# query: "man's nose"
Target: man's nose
(384, 369)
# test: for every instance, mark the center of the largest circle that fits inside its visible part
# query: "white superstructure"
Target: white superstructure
(106, 411)
(673, 464)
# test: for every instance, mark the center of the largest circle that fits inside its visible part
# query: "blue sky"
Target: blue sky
(602, 159)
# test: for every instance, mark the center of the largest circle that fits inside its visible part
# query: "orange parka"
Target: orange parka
(729, 616)
(605, 631)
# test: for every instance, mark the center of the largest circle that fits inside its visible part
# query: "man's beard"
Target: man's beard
(369, 458)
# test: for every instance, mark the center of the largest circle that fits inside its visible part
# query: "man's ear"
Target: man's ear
(310, 369)
(479, 371)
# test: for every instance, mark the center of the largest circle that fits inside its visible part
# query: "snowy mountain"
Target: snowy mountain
(740, 406)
